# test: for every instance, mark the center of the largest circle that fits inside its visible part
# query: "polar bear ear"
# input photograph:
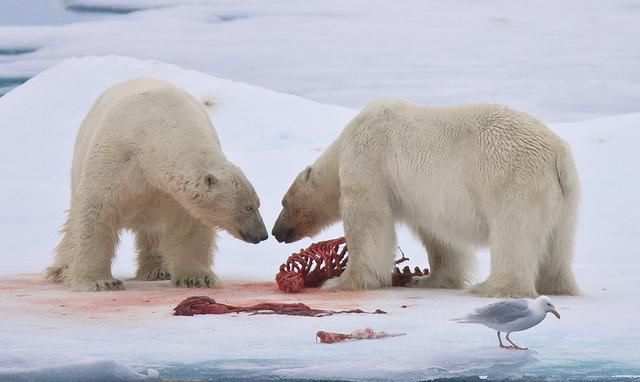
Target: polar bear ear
(307, 174)
(210, 181)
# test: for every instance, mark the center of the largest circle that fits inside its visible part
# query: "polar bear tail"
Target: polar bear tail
(567, 174)
(208, 101)
(555, 274)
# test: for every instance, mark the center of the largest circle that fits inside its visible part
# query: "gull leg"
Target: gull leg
(514, 345)
(501, 345)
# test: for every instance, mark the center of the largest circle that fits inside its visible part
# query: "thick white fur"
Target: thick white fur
(147, 158)
(459, 177)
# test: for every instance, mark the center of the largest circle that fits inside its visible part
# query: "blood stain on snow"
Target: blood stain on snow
(33, 293)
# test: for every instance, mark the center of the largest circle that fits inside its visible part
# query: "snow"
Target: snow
(562, 61)
(49, 333)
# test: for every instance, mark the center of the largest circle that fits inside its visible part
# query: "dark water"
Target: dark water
(44, 12)
(221, 378)
(15, 51)
(9, 83)
(263, 371)
(53, 12)
(102, 9)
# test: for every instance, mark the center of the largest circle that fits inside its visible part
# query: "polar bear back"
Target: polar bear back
(128, 111)
(450, 164)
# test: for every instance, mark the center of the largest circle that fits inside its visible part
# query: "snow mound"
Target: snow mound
(65, 92)
(270, 135)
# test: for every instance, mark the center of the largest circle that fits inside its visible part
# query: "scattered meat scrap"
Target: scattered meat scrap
(360, 334)
(206, 305)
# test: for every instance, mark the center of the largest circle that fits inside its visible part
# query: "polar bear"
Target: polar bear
(148, 159)
(459, 177)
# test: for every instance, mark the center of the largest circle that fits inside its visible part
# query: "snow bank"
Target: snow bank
(272, 136)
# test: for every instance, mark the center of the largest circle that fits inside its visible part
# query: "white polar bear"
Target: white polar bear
(459, 177)
(148, 159)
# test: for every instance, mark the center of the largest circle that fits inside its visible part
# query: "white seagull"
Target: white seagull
(512, 316)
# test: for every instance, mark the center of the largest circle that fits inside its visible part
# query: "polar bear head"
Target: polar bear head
(310, 204)
(222, 197)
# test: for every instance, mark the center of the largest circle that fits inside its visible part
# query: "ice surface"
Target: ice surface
(44, 329)
(563, 61)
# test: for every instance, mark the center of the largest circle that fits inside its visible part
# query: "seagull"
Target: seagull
(512, 316)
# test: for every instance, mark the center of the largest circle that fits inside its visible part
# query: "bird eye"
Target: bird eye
(249, 208)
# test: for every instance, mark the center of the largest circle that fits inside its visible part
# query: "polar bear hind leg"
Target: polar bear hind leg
(556, 275)
(63, 256)
(151, 263)
(450, 266)
(518, 239)
(97, 237)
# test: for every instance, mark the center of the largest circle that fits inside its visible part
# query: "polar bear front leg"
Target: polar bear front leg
(370, 235)
(96, 235)
(190, 256)
(151, 263)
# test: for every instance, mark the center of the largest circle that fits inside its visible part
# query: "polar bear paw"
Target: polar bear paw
(346, 282)
(490, 289)
(56, 274)
(153, 274)
(337, 284)
(424, 282)
(206, 280)
(98, 285)
(435, 282)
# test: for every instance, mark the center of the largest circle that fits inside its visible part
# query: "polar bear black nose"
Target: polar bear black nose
(281, 229)
(283, 235)
(278, 234)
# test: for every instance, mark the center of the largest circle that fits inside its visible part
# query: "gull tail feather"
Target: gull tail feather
(466, 320)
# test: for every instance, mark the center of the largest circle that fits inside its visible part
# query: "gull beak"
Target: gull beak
(555, 313)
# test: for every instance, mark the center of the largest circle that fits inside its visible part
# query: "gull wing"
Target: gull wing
(499, 312)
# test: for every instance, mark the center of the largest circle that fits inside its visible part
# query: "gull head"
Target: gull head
(545, 303)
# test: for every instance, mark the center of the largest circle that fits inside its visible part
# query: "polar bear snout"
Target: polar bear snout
(253, 230)
(282, 230)
(284, 236)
